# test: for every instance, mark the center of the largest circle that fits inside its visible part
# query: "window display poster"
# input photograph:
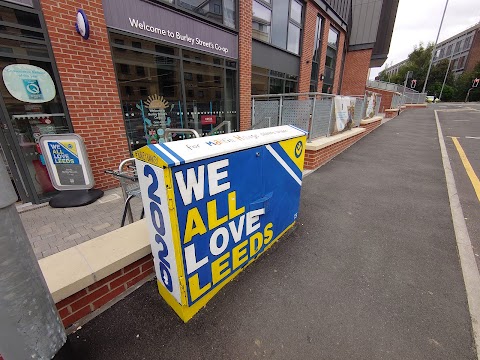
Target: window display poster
(29, 83)
(67, 162)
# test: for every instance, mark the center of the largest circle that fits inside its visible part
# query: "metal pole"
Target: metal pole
(468, 94)
(445, 79)
(434, 48)
(310, 131)
(280, 120)
(30, 327)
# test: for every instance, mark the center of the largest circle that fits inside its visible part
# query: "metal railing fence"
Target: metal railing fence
(312, 112)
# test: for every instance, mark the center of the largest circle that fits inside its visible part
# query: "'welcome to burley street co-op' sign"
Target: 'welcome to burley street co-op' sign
(214, 204)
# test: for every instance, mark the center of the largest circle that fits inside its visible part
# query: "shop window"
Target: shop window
(140, 70)
(23, 48)
(232, 64)
(124, 69)
(137, 44)
(19, 17)
(266, 81)
(159, 102)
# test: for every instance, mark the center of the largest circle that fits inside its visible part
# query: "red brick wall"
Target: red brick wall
(245, 63)
(474, 54)
(387, 96)
(355, 72)
(88, 80)
(308, 44)
(315, 159)
(84, 302)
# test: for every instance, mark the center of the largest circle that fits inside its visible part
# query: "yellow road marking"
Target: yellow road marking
(468, 167)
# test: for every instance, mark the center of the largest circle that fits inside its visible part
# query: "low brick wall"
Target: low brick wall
(370, 126)
(391, 113)
(97, 295)
(317, 158)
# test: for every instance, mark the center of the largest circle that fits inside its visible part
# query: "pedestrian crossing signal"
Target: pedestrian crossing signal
(475, 82)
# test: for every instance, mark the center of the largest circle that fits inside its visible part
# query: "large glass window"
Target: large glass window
(296, 11)
(154, 97)
(219, 11)
(266, 81)
(330, 61)
(316, 54)
(293, 43)
(27, 116)
(261, 22)
(278, 22)
(466, 45)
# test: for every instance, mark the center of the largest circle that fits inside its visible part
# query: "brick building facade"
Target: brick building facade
(148, 66)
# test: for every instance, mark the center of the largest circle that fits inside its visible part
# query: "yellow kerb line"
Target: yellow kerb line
(468, 167)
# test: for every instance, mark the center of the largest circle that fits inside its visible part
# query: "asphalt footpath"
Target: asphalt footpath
(371, 271)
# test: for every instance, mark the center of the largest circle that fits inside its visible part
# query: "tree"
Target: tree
(464, 82)
(418, 62)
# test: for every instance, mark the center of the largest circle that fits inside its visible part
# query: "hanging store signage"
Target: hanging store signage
(29, 83)
(67, 162)
(160, 23)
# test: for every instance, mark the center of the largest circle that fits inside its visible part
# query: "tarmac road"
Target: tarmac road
(370, 272)
(462, 121)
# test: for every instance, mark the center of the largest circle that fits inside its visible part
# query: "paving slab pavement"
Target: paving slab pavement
(52, 230)
(371, 271)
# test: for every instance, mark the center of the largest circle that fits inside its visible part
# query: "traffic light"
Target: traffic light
(413, 83)
(475, 82)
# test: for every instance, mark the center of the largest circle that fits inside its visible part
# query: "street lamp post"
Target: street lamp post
(434, 48)
(30, 327)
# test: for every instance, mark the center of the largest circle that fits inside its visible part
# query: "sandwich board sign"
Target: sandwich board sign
(67, 162)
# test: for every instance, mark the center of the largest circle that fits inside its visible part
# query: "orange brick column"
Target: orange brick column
(323, 54)
(88, 80)
(355, 72)
(308, 44)
(245, 63)
(338, 65)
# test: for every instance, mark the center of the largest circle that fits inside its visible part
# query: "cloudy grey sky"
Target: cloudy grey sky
(418, 20)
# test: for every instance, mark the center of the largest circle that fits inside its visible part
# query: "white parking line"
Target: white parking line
(471, 276)
(472, 137)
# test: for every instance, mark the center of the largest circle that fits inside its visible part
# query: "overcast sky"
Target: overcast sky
(418, 20)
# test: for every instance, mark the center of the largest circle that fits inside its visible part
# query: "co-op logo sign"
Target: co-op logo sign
(176, 36)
